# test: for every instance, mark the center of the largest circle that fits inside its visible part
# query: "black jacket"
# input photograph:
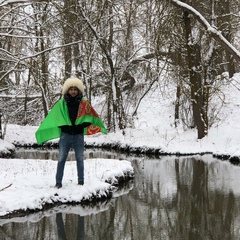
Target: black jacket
(73, 105)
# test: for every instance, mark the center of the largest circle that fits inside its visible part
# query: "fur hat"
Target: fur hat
(72, 82)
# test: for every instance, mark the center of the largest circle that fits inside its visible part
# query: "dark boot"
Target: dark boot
(58, 185)
(80, 182)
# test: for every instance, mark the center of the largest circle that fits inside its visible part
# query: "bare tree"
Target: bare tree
(199, 68)
(212, 31)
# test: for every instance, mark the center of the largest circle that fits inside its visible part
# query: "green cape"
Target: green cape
(58, 116)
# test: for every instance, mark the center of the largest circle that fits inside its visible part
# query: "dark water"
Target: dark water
(170, 198)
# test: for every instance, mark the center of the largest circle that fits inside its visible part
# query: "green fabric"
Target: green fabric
(58, 116)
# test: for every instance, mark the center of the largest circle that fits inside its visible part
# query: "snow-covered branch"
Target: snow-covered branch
(215, 33)
(8, 2)
(30, 97)
(144, 57)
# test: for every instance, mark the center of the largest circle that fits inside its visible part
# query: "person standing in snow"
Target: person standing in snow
(70, 118)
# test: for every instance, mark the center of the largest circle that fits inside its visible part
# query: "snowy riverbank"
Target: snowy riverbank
(154, 128)
(28, 185)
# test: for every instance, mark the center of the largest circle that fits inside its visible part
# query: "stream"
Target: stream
(171, 197)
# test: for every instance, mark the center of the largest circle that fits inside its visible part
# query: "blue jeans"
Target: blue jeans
(65, 143)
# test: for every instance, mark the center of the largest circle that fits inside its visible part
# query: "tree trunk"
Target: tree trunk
(194, 65)
(177, 105)
(68, 36)
(44, 73)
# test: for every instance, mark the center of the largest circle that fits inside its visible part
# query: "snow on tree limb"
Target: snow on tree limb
(8, 2)
(212, 31)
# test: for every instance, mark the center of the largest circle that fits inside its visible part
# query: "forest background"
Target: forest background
(121, 50)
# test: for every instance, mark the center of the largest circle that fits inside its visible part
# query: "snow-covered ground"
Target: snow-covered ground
(28, 184)
(32, 180)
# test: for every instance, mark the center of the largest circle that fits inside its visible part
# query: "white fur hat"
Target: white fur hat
(72, 82)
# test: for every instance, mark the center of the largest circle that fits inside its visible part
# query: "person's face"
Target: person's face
(73, 91)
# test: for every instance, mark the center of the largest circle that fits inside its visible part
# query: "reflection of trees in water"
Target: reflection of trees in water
(192, 210)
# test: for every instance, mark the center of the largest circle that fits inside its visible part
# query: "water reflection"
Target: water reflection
(53, 154)
(189, 198)
(62, 231)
